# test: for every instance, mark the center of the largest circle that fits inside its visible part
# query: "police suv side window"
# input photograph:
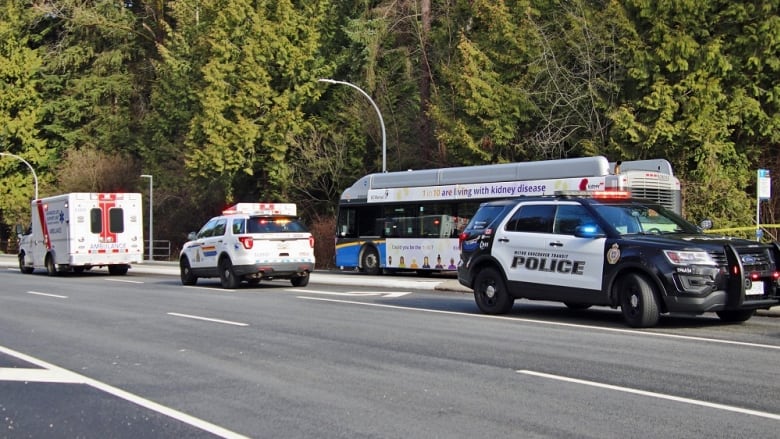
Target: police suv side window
(534, 218)
(569, 216)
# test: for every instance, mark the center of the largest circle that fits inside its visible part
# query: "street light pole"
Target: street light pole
(35, 177)
(151, 221)
(378, 113)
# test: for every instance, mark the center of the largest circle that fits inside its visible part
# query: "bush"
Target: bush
(322, 228)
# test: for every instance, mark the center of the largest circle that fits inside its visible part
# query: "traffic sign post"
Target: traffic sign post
(763, 193)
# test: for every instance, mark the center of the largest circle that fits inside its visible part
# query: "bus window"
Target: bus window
(345, 225)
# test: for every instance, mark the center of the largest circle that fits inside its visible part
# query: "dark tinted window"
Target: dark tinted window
(96, 220)
(274, 225)
(569, 217)
(485, 217)
(116, 220)
(537, 218)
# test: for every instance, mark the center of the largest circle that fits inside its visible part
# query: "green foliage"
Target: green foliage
(260, 68)
(20, 114)
(698, 97)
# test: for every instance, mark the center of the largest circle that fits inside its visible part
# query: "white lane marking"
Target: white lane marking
(127, 396)
(46, 294)
(698, 402)
(38, 375)
(124, 280)
(221, 290)
(207, 319)
(561, 324)
(351, 293)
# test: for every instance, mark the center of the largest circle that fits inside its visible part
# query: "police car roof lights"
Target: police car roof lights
(288, 209)
(602, 195)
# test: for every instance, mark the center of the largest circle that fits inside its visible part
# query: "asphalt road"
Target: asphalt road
(142, 356)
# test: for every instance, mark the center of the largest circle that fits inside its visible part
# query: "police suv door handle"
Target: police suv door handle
(556, 244)
(503, 240)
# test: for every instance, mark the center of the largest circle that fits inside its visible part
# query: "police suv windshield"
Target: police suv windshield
(638, 218)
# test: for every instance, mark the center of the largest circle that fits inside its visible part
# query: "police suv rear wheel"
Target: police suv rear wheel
(638, 301)
(490, 292)
(300, 281)
(227, 277)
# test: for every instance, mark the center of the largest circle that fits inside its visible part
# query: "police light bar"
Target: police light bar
(615, 195)
(288, 209)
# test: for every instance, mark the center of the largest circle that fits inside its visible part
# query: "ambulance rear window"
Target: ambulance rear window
(116, 220)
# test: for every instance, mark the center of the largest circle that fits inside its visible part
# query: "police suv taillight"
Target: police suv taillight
(311, 241)
(247, 241)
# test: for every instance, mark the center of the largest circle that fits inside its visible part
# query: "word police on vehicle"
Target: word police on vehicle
(606, 248)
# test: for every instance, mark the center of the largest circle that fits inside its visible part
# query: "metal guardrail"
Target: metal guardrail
(161, 250)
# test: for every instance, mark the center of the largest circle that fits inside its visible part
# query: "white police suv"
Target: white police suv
(605, 248)
(250, 241)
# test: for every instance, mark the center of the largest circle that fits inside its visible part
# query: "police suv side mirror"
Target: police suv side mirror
(192, 236)
(589, 231)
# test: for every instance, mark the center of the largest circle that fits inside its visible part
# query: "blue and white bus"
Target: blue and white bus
(410, 220)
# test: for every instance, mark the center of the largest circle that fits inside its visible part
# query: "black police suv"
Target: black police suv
(608, 249)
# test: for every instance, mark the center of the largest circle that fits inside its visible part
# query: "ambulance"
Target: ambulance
(79, 231)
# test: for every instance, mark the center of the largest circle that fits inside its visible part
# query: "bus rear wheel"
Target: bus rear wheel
(370, 261)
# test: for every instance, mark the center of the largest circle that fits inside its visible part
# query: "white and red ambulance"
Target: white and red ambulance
(79, 231)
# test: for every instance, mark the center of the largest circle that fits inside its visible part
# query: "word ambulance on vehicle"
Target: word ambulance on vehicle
(250, 242)
(79, 231)
(606, 248)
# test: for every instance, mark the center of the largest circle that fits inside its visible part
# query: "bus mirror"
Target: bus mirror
(343, 231)
(706, 224)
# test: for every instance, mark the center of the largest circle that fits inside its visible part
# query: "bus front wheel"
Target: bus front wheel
(370, 261)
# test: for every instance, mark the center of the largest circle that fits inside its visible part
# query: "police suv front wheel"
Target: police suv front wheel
(490, 292)
(638, 301)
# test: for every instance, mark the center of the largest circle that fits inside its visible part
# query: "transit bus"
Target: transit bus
(410, 220)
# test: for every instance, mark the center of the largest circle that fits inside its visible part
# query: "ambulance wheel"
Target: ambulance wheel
(23, 268)
(227, 276)
(300, 281)
(118, 270)
(51, 269)
(370, 261)
(637, 301)
(737, 316)
(490, 292)
(187, 278)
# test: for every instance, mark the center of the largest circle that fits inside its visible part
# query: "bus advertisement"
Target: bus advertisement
(411, 220)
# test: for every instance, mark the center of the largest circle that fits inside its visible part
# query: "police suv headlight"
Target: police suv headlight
(678, 257)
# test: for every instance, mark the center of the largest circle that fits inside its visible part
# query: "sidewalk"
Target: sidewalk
(340, 278)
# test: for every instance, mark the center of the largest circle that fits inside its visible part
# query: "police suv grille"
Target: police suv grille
(753, 259)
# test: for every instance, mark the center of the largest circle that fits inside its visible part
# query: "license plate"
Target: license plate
(756, 289)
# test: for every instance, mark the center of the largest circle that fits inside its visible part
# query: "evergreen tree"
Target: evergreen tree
(20, 114)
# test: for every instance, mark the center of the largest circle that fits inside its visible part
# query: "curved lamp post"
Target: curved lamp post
(35, 177)
(378, 113)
